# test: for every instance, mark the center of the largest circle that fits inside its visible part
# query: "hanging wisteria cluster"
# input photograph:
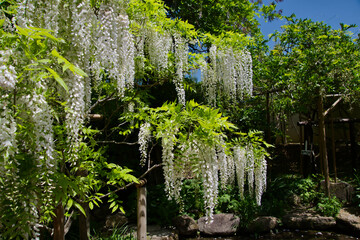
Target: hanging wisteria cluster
(229, 71)
(181, 59)
(37, 143)
(144, 138)
(246, 164)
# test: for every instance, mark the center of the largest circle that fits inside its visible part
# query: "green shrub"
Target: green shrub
(229, 201)
(276, 198)
(160, 210)
(328, 206)
(192, 196)
(357, 188)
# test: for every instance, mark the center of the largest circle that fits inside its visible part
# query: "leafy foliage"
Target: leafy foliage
(310, 59)
(328, 207)
(221, 16)
(281, 192)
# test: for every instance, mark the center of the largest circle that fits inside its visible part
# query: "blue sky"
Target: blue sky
(332, 12)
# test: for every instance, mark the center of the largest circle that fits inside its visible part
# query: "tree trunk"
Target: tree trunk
(322, 143)
(84, 223)
(141, 211)
(59, 219)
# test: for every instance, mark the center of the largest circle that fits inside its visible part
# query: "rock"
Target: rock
(116, 220)
(186, 225)
(308, 221)
(348, 222)
(342, 190)
(158, 233)
(294, 200)
(223, 224)
(262, 224)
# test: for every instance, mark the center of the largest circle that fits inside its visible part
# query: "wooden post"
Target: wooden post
(141, 210)
(333, 148)
(353, 145)
(268, 129)
(268, 134)
(301, 147)
(59, 219)
(322, 143)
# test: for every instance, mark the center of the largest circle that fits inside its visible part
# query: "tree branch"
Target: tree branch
(118, 143)
(109, 98)
(68, 223)
(132, 183)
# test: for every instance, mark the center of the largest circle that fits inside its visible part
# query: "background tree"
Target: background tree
(309, 61)
(216, 17)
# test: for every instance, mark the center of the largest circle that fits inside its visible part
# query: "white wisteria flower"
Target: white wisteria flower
(143, 140)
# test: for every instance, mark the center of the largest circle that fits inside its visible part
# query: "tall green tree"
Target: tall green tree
(309, 61)
(217, 17)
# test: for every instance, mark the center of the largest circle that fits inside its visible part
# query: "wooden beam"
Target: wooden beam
(340, 120)
(332, 106)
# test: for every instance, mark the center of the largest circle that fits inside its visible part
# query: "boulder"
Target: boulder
(262, 224)
(308, 221)
(342, 190)
(223, 224)
(348, 222)
(185, 225)
(116, 220)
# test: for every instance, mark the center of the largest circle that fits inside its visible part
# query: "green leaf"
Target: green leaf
(95, 202)
(23, 31)
(2, 21)
(44, 61)
(78, 71)
(115, 208)
(67, 64)
(69, 203)
(91, 205)
(122, 209)
(58, 78)
(78, 206)
(112, 165)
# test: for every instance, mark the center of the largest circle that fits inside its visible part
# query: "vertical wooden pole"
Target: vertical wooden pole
(333, 148)
(322, 141)
(59, 219)
(268, 134)
(301, 148)
(267, 130)
(353, 145)
(141, 211)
